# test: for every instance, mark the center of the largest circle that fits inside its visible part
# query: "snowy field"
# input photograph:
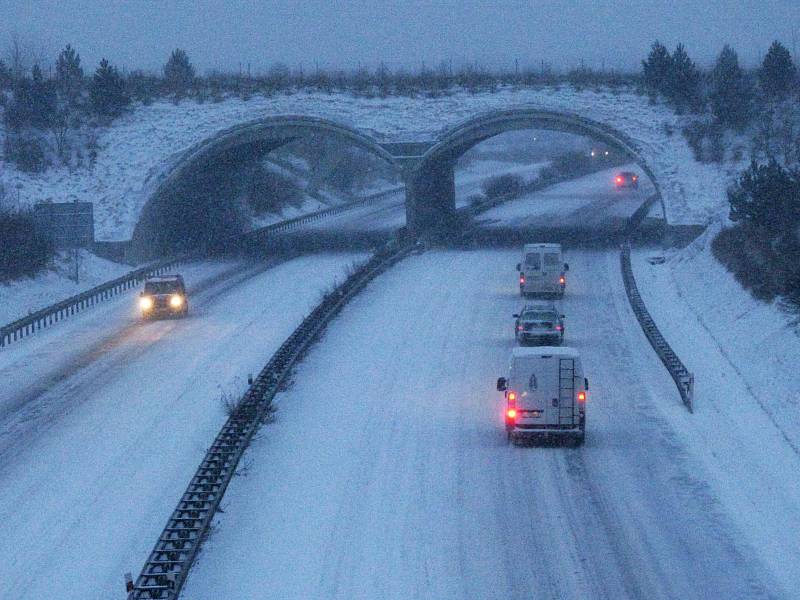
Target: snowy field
(387, 473)
(140, 147)
(24, 296)
(104, 419)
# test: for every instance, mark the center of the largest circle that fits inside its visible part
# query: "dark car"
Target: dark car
(626, 179)
(539, 323)
(164, 296)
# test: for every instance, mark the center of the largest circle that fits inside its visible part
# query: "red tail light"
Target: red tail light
(519, 327)
(511, 413)
(512, 397)
(581, 396)
(619, 179)
(522, 278)
(558, 328)
(562, 280)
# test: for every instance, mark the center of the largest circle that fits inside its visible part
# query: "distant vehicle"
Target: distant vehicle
(542, 270)
(164, 296)
(545, 395)
(626, 179)
(539, 323)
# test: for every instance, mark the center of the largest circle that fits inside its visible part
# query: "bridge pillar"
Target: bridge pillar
(431, 197)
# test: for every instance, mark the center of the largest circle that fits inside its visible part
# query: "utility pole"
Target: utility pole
(75, 242)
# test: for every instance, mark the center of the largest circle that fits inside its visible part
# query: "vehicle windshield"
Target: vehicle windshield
(162, 287)
(538, 316)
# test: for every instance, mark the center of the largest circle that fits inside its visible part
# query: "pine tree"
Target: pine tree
(731, 94)
(69, 75)
(767, 196)
(178, 73)
(656, 69)
(778, 72)
(683, 88)
(107, 92)
(43, 100)
(5, 76)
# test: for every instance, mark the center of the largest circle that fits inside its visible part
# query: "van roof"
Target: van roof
(532, 352)
(543, 247)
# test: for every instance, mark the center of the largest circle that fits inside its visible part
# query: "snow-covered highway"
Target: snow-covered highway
(387, 473)
(103, 419)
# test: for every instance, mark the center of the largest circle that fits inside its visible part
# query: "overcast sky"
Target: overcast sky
(225, 34)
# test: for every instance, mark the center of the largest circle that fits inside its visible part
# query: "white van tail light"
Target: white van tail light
(581, 396)
(511, 413)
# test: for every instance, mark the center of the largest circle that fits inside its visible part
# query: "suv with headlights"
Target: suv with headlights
(539, 323)
(164, 296)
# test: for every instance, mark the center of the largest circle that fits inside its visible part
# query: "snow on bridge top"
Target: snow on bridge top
(139, 149)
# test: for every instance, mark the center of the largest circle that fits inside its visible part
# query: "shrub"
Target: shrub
(503, 185)
(24, 250)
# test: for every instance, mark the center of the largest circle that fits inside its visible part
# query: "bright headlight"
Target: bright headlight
(175, 301)
(146, 302)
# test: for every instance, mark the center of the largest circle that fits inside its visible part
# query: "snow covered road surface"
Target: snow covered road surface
(587, 202)
(103, 420)
(387, 473)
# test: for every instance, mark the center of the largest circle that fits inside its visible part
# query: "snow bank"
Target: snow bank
(142, 145)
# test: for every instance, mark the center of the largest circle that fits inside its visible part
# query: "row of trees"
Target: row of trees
(727, 90)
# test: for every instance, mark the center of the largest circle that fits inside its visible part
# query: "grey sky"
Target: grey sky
(224, 34)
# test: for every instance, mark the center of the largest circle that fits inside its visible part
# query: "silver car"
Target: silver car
(539, 323)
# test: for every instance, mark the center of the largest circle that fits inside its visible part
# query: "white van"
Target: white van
(545, 394)
(542, 270)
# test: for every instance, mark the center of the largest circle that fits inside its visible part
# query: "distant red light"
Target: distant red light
(558, 327)
(522, 278)
(512, 396)
(619, 179)
(581, 396)
(562, 280)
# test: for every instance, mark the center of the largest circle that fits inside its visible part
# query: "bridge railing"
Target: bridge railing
(48, 316)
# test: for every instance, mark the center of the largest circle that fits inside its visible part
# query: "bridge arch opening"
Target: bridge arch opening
(430, 198)
(192, 205)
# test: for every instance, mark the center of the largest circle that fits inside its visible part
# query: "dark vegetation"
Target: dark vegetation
(763, 249)
(23, 249)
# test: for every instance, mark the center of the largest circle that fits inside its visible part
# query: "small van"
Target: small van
(542, 270)
(545, 394)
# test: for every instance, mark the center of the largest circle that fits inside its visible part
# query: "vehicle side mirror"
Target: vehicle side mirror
(566, 267)
(502, 384)
(518, 266)
(586, 383)
(515, 315)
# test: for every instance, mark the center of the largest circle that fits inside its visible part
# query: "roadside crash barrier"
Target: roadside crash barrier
(168, 565)
(48, 316)
(683, 379)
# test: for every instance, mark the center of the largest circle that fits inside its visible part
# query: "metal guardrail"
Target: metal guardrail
(680, 374)
(61, 310)
(167, 567)
(54, 313)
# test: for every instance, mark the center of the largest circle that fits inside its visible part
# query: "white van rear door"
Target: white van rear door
(535, 379)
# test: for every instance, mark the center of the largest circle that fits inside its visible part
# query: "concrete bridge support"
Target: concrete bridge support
(431, 197)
